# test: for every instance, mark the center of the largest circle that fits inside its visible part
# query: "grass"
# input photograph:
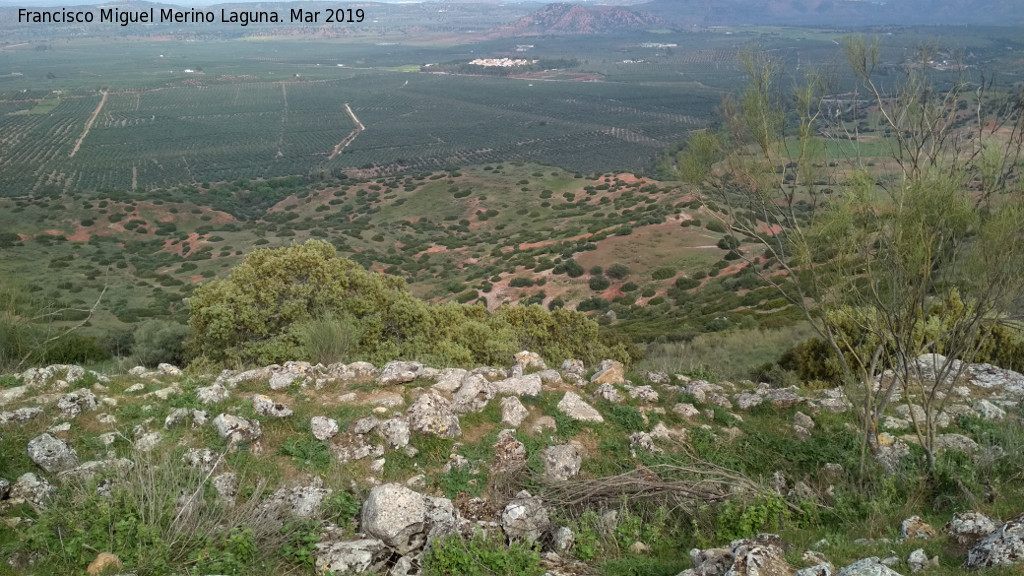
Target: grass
(731, 355)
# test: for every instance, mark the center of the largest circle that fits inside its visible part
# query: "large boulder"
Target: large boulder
(433, 414)
(574, 407)
(404, 519)
(561, 462)
(450, 379)
(473, 395)
(529, 385)
(968, 528)
(237, 428)
(52, 454)
(1003, 547)
(525, 518)
(609, 372)
(352, 557)
(398, 372)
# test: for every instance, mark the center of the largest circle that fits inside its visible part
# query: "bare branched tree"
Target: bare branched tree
(900, 264)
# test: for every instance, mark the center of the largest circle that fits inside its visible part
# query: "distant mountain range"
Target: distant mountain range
(557, 19)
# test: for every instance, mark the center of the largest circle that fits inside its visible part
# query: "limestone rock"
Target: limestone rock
(399, 372)
(404, 519)
(761, 556)
(212, 394)
(74, 403)
(1003, 547)
(574, 407)
(527, 360)
(52, 454)
(433, 414)
(563, 540)
(473, 395)
(368, 555)
(543, 424)
(657, 377)
(868, 567)
(642, 441)
(608, 392)
(323, 428)
(32, 490)
(266, 406)
(803, 420)
(989, 411)
(968, 528)
(513, 412)
(610, 372)
(20, 416)
(509, 453)
(168, 369)
(226, 486)
(573, 366)
(365, 425)
(148, 441)
(352, 447)
(237, 428)
(686, 410)
(915, 528)
(642, 393)
(955, 442)
(529, 385)
(561, 462)
(450, 379)
(525, 518)
(395, 432)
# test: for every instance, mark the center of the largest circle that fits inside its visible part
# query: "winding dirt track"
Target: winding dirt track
(88, 124)
(351, 135)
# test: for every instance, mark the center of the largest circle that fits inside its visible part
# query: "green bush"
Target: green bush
(599, 283)
(157, 341)
(481, 556)
(617, 271)
(261, 314)
(663, 273)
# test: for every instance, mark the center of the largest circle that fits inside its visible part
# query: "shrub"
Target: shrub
(599, 283)
(157, 341)
(663, 273)
(618, 271)
(481, 556)
(330, 339)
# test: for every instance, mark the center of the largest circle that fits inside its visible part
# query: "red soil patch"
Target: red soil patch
(81, 234)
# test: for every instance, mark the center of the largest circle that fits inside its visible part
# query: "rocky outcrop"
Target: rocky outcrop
(433, 414)
(525, 518)
(404, 519)
(52, 454)
(1003, 547)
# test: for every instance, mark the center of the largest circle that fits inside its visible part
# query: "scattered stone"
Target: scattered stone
(395, 432)
(525, 518)
(639, 548)
(20, 416)
(989, 411)
(710, 562)
(915, 528)
(573, 366)
(202, 458)
(352, 447)
(747, 400)
(236, 428)
(955, 442)
(148, 442)
(168, 369)
(642, 441)
(74, 403)
(368, 555)
(527, 360)
(608, 392)
(868, 567)
(509, 453)
(399, 372)
(891, 454)
(51, 454)
(265, 406)
(5, 488)
(574, 407)
(550, 376)
(513, 412)
(490, 372)
(433, 414)
(135, 388)
(801, 433)
(226, 486)
(282, 380)
(103, 562)
(365, 425)
(529, 385)
(473, 395)
(1003, 547)
(323, 428)
(450, 379)
(405, 520)
(212, 394)
(833, 472)
(969, 528)
(761, 556)
(561, 462)
(563, 540)
(33, 490)
(918, 561)
(686, 410)
(58, 428)
(610, 372)
(657, 377)
(803, 420)
(643, 393)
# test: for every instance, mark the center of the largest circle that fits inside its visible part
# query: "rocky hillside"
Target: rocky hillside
(561, 19)
(407, 469)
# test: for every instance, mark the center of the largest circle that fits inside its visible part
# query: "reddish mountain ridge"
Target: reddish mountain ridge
(568, 19)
